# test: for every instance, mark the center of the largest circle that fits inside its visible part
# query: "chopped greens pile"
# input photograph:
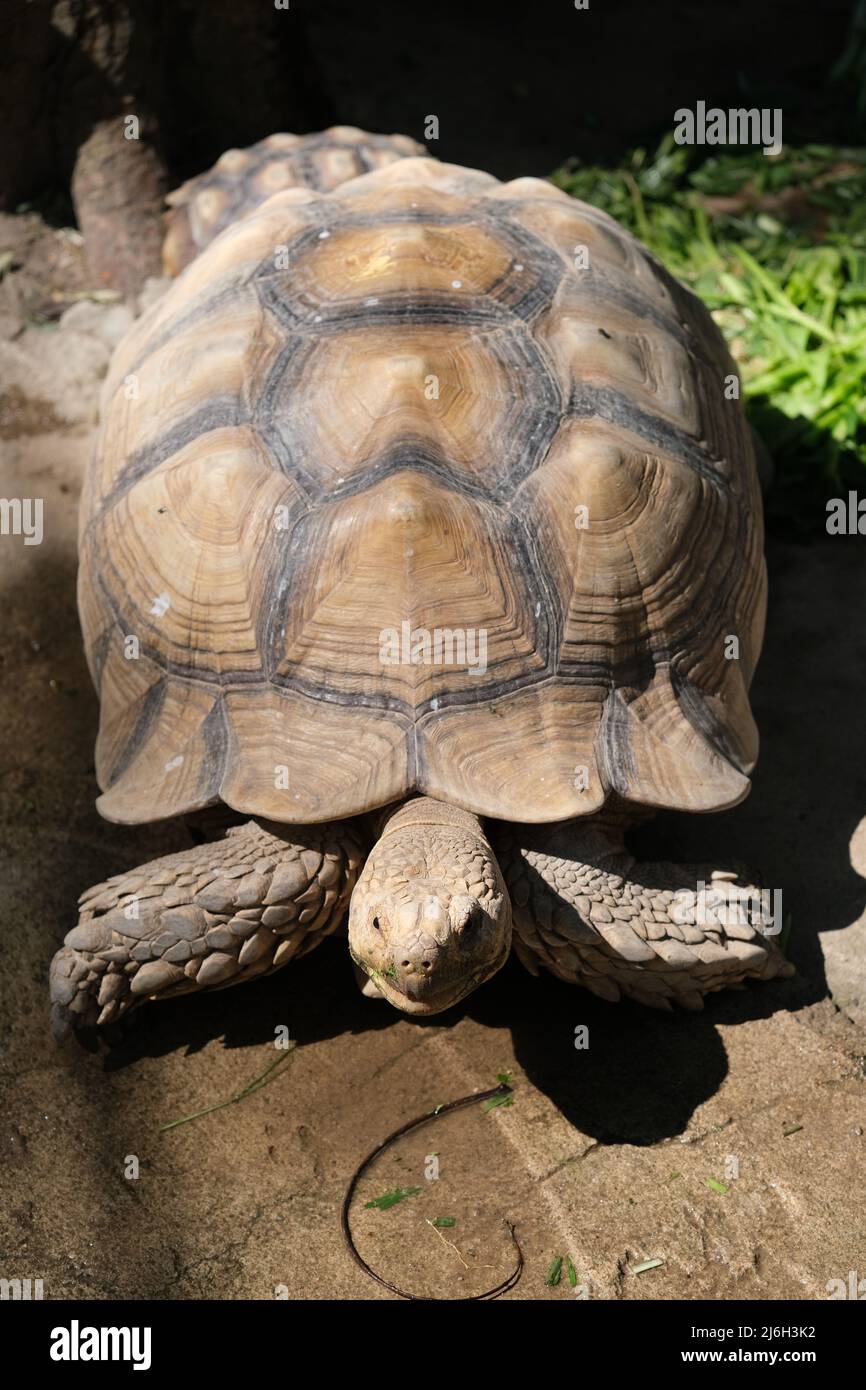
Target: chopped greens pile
(776, 248)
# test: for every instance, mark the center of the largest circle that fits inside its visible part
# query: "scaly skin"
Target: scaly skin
(211, 916)
(588, 913)
(430, 918)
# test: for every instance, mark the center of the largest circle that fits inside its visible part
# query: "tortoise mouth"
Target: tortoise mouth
(435, 1002)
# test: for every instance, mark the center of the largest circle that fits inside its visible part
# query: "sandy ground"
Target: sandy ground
(605, 1154)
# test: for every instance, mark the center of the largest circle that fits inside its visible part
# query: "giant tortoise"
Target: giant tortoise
(423, 532)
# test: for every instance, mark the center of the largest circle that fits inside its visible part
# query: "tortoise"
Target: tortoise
(422, 534)
(242, 179)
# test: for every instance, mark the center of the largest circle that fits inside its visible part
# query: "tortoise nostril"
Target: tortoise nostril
(426, 964)
(405, 964)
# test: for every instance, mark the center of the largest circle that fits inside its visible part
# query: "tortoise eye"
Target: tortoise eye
(377, 926)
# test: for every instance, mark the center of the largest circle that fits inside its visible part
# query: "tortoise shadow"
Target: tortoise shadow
(636, 1076)
(317, 993)
(639, 1080)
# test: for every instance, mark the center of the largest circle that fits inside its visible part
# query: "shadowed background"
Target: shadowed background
(516, 90)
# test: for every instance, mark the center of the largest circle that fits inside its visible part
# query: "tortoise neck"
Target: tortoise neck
(426, 810)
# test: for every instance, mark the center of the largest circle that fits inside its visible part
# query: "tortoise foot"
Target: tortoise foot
(659, 933)
(215, 915)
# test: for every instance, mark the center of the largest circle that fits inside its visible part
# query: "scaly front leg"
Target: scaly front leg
(585, 910)
(214, 915)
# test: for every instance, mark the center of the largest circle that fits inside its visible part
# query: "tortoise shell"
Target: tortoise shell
(426, 403)
(242, 179)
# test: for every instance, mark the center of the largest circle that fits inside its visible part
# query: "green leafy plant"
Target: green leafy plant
(270, 1073)
(776, 248)
(554, 1273)
(392, 1197)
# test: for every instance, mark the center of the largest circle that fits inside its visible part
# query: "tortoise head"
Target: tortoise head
(430, 917)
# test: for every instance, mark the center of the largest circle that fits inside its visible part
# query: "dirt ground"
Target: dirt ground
(607, 1154)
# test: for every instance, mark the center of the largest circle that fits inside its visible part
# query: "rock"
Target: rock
(118, 187)
(107, 322)
(152, 292)
(64, 369)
